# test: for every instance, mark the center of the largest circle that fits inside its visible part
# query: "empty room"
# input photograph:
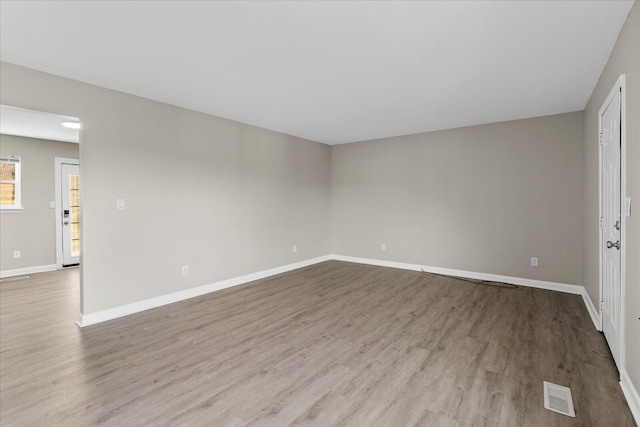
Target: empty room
(330, 213)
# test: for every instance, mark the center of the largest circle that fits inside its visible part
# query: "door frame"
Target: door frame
(618, 87)
(59, 161)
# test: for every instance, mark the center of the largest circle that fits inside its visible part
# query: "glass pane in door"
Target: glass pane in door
(74, 198)
(7, 193)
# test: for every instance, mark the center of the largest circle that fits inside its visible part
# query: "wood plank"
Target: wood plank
(335, 343)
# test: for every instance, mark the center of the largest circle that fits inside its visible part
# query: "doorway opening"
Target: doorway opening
(44, 215)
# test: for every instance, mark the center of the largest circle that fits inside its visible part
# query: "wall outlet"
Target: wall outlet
(295, 249)
(185, 270)
(383, 246)
(534, 261)
(17, 254)
(120, 204)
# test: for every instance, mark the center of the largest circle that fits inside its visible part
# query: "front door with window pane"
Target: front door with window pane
(70, 214)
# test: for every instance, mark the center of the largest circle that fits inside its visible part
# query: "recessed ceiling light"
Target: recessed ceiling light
(71, 125)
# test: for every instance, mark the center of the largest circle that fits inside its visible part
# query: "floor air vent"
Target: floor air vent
(558, 398)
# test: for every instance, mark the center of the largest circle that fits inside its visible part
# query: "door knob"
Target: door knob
(613, 245)
(67, 223)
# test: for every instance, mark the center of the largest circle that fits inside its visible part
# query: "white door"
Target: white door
(70, 191)
(611, 223)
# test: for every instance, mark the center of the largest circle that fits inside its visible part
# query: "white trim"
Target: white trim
(593, 312)
(631, 394)
(124, 310)
(628, 389)
(553, 286)
(27, 270)
(618, 87)
(59, 161)
(623, 217)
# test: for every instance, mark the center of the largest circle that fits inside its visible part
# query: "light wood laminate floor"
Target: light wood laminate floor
(331, 344)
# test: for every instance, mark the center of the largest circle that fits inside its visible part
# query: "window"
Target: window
(10, 183)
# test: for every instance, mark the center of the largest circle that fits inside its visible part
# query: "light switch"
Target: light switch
(52, 205)
(120, 203)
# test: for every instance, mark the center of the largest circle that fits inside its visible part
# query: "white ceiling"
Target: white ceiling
(332, 72)
(35, 124)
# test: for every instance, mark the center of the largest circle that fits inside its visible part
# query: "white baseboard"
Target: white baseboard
(135, 307)
(627, 386)
(553, 286)
(631, 394)
(124, 310)
(27, 270)
(593, 312)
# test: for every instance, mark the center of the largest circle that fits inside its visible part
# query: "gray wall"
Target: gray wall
(223, 197)
(625, 59)
(32, 231)
(482, 198)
